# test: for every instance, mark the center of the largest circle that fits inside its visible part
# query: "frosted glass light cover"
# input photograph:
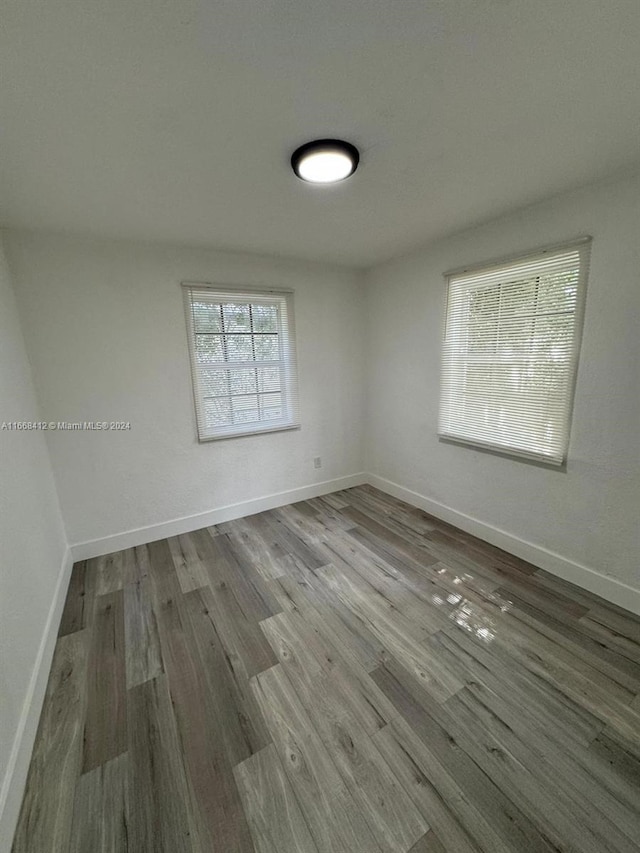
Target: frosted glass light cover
(325, 167)
(325, 161)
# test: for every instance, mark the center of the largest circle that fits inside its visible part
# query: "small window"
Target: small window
(243, 363)
(510, 356)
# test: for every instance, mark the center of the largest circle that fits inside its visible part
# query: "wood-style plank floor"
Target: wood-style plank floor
(344, 675)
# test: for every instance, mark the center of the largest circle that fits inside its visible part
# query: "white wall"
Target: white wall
(588, 515)
(33, 564)
(106, 333)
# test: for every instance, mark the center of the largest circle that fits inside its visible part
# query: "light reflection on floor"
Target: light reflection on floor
(470, 616)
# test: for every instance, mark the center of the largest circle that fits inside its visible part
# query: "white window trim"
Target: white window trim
(583, 244)
(250, 293)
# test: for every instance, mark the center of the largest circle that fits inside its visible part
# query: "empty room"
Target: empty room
(319, 426)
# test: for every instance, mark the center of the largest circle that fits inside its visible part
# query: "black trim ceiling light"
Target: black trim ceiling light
(325, 161)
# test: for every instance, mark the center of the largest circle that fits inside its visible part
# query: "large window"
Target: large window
(243, 362)
(510, 353)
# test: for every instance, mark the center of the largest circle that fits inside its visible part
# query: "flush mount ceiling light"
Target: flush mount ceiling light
(325, 161)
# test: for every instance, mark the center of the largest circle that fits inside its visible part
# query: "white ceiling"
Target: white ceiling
(175, 119)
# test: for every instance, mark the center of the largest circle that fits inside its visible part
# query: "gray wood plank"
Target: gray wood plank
(619, 765)
(408, 588)
(395, 631)
(276, 821)
(426, 783)
(301, 587)
(573, 773)
(234, 716)
(368, 704)
(249, 588)
(589, 599)
(328, 807)
(559, 731)
(429, 843)
(563, 808)
(465, 546)
(132, 569)
(334, 501)
(142, 645)
(429, 581)
(141, 563)
(508, 761)
(109, 571)
(105, 732)
(479, 662)
(213, 734)
(44, 825)
(304, 524)
(289, 593)
(236, 624)
(337, 718)
(78, 607)
(327, 515)
(628, 739)
(513, 639)
(527, 589)
(243, 640)
(408, 543)
(302, 640)
(575, 637)
(622, 622)
(101, 811)
(619, 631)
(188, 562)
(162, 817)
(279, 530)
(433, 726)
(398, 516)
(262, 552)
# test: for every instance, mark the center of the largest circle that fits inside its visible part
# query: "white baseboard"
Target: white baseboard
(142, 535)
(608, 588)
(15, 775)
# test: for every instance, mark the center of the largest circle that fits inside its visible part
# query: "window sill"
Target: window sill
(245, 433)
(502, 450)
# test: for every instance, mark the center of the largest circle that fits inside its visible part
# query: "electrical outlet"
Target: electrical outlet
(317, 461)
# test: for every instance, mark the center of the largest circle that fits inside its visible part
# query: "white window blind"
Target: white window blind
(243, 361)
(510, 353)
